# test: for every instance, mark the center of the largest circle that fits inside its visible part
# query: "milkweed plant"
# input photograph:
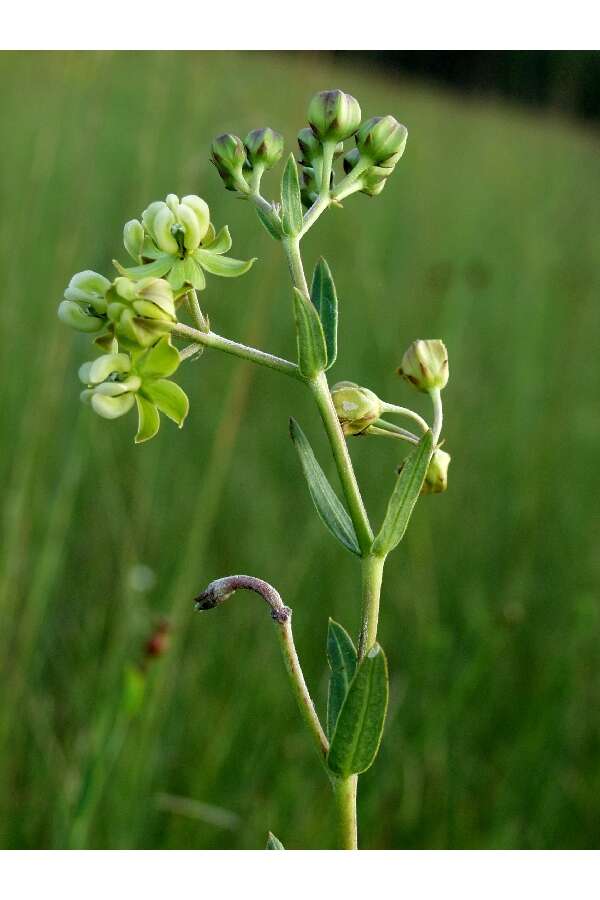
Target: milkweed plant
(137, 321)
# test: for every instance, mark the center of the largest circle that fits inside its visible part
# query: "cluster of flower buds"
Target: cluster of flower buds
(357, 407)
(237, 161)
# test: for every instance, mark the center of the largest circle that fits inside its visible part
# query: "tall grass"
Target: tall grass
(487, 235)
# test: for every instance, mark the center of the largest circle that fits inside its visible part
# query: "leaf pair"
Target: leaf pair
(356, 705)
(316, 323)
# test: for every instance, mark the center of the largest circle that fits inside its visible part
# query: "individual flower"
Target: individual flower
(117, 381)
(425, 365)
(84, 306)
(356, 407)
(181, 245)
(380, 138)
(436, 479)
(140, 311)
(229, 156)
(334, 115)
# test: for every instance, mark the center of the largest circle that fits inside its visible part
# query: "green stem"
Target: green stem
(196, 313)
(299, 688)
(372, 574)
(344, 790)
(217, 342)
(341, 455)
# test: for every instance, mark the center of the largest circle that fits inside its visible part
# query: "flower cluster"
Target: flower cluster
(333, 118)
(133, 316)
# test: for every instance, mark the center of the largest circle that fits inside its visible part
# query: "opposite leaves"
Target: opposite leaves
(312, 352)
(360, 723)
(329, 507)
(405, 495)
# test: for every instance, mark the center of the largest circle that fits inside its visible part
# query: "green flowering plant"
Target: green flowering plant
(136, 318)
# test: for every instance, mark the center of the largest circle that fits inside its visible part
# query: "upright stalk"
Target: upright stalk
(372, 574)
(344, 790)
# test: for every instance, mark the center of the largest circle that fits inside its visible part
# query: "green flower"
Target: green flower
(140, 311)
(334, 115)
(425, 365)
(356, 407)
(180, 245)
(117, 381)
(84, 306)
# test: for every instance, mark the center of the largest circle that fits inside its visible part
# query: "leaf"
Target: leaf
(270, 224)
(342, 657)
(154, 269)
(149, 420)
(312, 352)
(360, 723)
(224, 266)
(291, 204)
(221, 243)
(169, 398)
(324, 297)
(404, 496)
(274, 843)
(328, 506)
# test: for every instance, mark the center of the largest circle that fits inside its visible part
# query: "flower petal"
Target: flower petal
(105, 365)
(221, 243)
(112, 407)
(159, 361)
(148, 420)
(169, 398)
(224, 266)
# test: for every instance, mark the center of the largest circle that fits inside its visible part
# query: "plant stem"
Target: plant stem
(299, 688)
(294, 259)
(408, 413)
(341, 455)
(344, 790)
(196, 313)
(217, 342)
(372, 574)
(438, 414)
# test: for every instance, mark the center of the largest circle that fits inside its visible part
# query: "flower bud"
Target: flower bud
(84, 306)
(334, 115)
(425, 364)
(73, 315)
(264, 146)
(380, 138)
(356, 407)
(229, 155)
(436, 479)
(309, 190)
(133, 239)
(372, 179)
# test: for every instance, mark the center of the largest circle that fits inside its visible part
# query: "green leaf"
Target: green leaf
(312, 351)
(224, 266)
(329, 507)
(221, 243)
(291, 204)
(359, 726)
(154, 269)
(404, 496)
(274, 843)
(148, 420)
(324, 297)
(342, 657)
(270, 224)
(169, 398)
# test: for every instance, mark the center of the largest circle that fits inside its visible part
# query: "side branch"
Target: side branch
(218, 591)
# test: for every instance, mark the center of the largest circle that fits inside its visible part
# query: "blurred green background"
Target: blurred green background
(488, 234)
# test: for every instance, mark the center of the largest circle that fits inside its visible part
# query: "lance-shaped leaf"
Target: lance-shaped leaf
(312, 352)
(270, 223)
(324, 297)
(341, 656)
(274, 843)
(360, 723)
(291, 204)
(404, 496)
(329, 507)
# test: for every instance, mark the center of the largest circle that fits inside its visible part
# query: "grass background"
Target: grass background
(487, 235)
